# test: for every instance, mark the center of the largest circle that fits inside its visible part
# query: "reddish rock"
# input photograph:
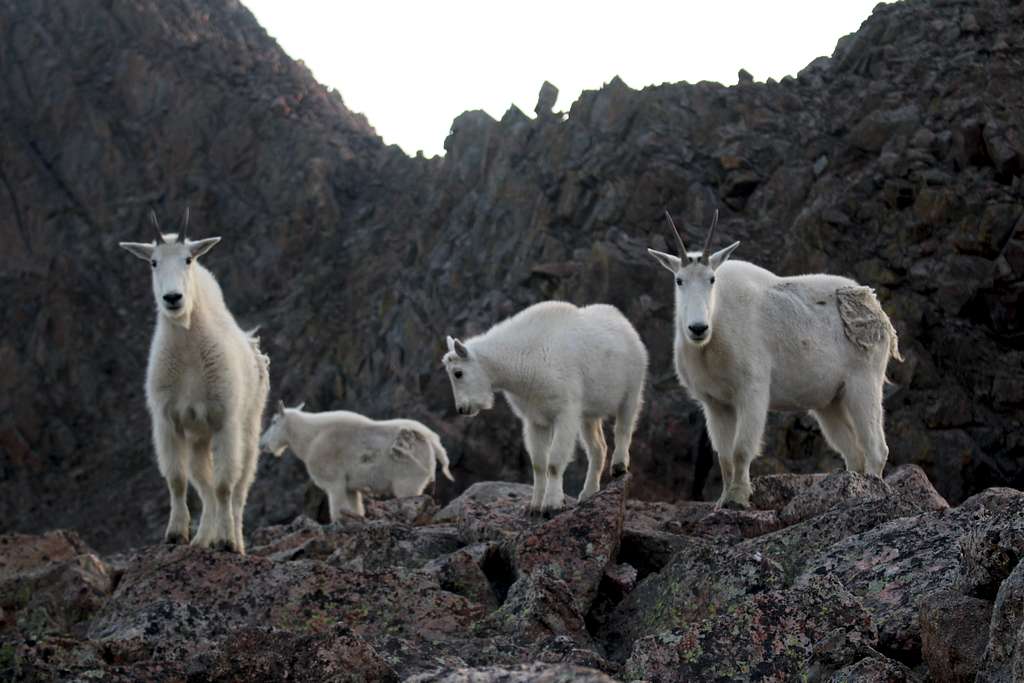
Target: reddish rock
(781, 628)
(954, 634)
(835, 490)
(578, 545)
(774, 491)
(911, 484)
(524, 673)
(876, 669)
(1004, 656)
(704, 578)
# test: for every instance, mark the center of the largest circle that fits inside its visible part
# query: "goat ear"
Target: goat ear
(461, 349)
(200, 247)
(670, 262)
(720, 257)
(280, 407)
(139, 249)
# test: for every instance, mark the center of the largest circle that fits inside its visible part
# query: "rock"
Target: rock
(538, 606)
(876, 669)
(895, 566)
(840, 488)
(795, 546)
(989, 553)
(50, 584)
(775, 649)
(489, 511)
(911, 484)
(1004, 656)
(954, 633)
(702, 578)
(546, 100)
(578, 545)
(524, 673)
(774, 491)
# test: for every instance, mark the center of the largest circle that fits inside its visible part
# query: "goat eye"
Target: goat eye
(679, 281)
(153, 263)
(712, 279)
(458, 374)
(188, 260)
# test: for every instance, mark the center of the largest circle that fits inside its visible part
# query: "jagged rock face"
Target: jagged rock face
(897, 161)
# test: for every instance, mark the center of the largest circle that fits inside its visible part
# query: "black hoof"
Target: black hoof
(549, 513)
(224, 547)
(175, 539)
(532, 512)
(618, 469)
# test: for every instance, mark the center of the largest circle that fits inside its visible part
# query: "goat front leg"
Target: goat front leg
(565, 432)
(171, 457)
(227, 467)
(537, 439)
(344, 501)
(721, 422)
(750, 420)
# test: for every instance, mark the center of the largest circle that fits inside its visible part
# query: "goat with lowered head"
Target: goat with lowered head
(347, 454)
(206, 385)
(748, 341)
(563, 369)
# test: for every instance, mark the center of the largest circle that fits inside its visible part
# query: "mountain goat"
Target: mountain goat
(748, 341)
(347, 454)
(563, 369)
(206, 385)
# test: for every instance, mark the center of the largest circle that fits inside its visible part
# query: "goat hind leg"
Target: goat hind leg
(592, 435)
(867, 419)
(838, 431)
(625, 423)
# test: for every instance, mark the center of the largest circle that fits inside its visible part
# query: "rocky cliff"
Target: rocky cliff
(897, 161)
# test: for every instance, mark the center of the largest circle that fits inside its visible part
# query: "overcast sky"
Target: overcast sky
(412, 67)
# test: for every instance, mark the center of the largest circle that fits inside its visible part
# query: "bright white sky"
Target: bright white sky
(412, 66)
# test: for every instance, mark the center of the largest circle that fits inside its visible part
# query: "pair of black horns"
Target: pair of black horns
(707, 242)
(181, 233)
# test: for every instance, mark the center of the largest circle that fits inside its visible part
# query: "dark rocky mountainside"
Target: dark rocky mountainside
(832, 578)
(897, 161)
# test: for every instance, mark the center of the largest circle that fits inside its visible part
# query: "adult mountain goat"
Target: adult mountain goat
(562, 369)
(347, 454)
(206, 385)
(748, 341)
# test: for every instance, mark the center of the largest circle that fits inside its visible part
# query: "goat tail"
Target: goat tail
(440, 454)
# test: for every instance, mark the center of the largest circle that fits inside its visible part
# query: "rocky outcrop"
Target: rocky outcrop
(873, 587)
(897, 161)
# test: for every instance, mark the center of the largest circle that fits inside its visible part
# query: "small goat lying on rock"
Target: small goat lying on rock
(348, 454)
(563, 369)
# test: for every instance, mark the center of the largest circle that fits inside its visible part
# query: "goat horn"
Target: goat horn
(184, 227)
(156, 224)
(679, 240)
(707, 243)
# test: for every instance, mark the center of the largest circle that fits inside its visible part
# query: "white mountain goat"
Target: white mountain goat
(206, 386)
(562, 369)
(347, 454)
(748, 341)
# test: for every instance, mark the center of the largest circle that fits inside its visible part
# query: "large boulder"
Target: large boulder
(779, 631)
(954, 634)
(1004, 656)
(704, 578)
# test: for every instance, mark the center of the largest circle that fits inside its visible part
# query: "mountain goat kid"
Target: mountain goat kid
(347, 454)
(206, 385)
(748, 341)
(562, 369)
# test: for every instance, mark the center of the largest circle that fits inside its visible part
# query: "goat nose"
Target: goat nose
(463, 410)
(172, 298)
(698, 329)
